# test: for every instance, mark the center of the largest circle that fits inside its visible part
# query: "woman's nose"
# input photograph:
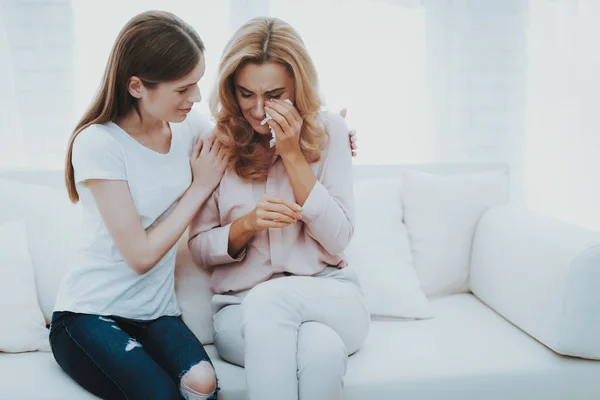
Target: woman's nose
(259, 108)
(195, 95)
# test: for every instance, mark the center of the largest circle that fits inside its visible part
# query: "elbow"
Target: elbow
(141, 263)
(194, 246)
(337, 246)
(333, 241)
(141, 266)
(199, 261)
(335, 249)
(342, 240)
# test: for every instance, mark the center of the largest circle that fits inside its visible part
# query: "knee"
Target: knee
(199, 380)
(228, 337)
(321, 349)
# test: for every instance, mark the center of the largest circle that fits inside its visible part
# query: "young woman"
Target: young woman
(273, 233)
(133, 165)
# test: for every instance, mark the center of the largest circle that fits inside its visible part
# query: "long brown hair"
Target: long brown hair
(155, 46)
(259, 41)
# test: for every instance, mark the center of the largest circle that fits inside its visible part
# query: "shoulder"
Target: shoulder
(97, 153)
(332, 121)
(96, 137)
(199, 124)
(336, 128)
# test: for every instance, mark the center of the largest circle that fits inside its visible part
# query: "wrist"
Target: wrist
(247, 224)
(294, 158)
(199, 192)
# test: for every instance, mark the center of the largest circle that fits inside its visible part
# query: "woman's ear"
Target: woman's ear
(135, 86)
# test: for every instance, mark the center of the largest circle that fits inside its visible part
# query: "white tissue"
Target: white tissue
(268, 118)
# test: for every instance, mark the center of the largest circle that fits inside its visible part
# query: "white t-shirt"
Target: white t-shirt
(101, 282)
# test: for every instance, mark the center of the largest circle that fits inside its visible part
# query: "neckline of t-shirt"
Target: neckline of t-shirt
(145, 148)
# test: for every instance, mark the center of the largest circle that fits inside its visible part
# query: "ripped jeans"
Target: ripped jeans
(118, 358)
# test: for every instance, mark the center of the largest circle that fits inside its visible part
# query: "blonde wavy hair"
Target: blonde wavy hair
(260, 41)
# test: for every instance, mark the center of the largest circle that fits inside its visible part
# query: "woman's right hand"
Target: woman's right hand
(273, 212)
(208, 163)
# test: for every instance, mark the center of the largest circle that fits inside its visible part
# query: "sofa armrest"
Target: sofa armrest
(541, 274)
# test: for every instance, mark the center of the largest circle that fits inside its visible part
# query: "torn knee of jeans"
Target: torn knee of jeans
(199, 382)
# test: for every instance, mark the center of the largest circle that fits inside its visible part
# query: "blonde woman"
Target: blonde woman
(287, 307)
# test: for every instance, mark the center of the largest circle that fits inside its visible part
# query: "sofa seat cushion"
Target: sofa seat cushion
(36, 375)
(466, 352)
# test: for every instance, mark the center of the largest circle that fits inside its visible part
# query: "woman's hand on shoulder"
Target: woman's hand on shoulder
(208, 162)
(351, 135)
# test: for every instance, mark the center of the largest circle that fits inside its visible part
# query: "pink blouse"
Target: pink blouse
(303, 248)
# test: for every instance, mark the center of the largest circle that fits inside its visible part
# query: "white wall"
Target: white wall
(40, 36)
(563, 128)
(11, 132)
(477, 75)
(370, 56)
(440, 80)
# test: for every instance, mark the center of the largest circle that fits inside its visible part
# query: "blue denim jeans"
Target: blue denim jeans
(118, 358)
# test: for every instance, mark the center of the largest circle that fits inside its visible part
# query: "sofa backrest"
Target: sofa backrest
(53, 223)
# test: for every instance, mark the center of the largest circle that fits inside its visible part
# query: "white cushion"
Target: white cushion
(542, 275)
(22, 326)
(380, 252)
(192, 285)
(441, 213)
(52, 225)
(45, 379)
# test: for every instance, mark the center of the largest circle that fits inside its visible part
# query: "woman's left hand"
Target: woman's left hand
(351, 135)
(287, 124)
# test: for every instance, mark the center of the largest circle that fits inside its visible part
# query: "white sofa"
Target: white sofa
(533, 284)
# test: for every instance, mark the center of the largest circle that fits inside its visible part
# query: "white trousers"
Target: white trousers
(293, 334)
